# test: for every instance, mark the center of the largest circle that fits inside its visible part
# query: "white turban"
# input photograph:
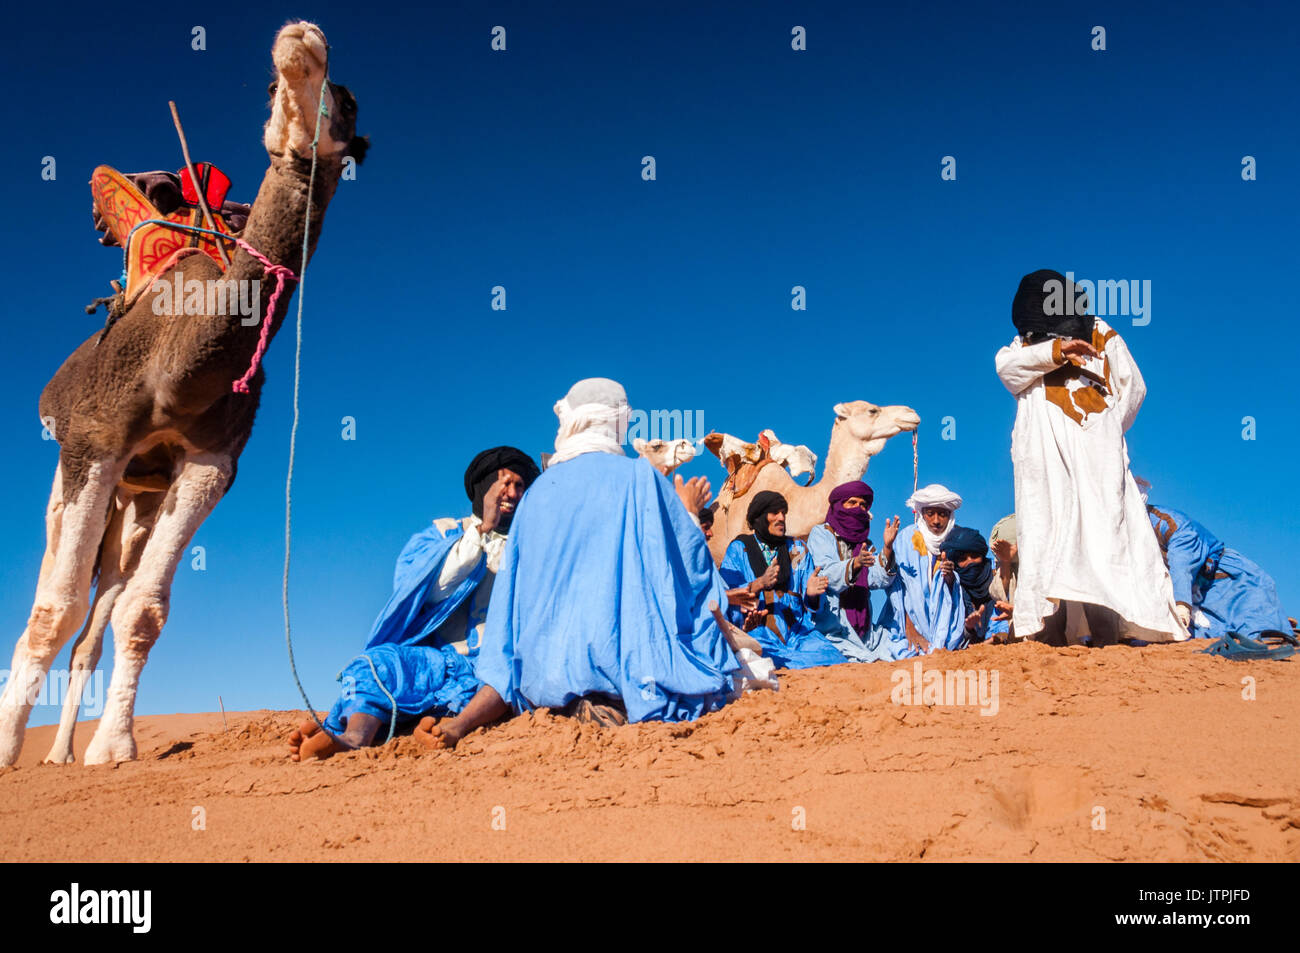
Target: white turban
(937, 495)
(593, 419)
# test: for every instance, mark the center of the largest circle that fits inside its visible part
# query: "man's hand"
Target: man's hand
(947, 568)
(1076, 350)
(1005, 609)
(742, 599)
(862, 560)
(973, 620)
(491, 508)
(891, 534)
(817, 584)
(767, 580)
(915, 639)
(694, 493)
(1184, 612)
(1005, 551)
(755, 619)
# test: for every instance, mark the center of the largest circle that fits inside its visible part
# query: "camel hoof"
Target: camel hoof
(110, 752)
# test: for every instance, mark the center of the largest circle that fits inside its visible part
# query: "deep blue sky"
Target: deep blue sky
(775, 168)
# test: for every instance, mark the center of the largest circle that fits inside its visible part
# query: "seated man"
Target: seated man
(925, 609)
(969, 553)
(606, 595)
(779, 572)
(1003, 587)
(841, 548)
(441, 590)
(1217, 589)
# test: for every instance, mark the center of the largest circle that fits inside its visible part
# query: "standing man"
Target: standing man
(1083, 533)
(420, 656)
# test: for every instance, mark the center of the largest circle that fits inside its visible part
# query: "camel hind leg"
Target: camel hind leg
(140, 611)
(75, 524)
(128, 530)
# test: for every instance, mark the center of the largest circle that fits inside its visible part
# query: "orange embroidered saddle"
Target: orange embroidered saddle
(123, 202)
(743, 464)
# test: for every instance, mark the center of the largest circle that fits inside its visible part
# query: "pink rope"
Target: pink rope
(281, 273)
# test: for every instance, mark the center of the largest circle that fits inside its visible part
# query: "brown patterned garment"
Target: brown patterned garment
(1077, 390)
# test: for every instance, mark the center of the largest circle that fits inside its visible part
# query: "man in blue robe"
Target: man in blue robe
(841, 548)
(778, 571)
(925, 610)
(606, 596)
(1216, 589)
(421, 652)
(969, 553)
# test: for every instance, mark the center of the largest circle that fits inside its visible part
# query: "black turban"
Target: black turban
(482, 472)
(768, 501)
(1030, 312)
(964, 541)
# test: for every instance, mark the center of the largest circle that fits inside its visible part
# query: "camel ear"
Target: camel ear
(841, 411)
(713, 443)
(358, 146)
(638, 444)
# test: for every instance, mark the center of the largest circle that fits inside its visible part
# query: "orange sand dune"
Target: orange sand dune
(1160, 738)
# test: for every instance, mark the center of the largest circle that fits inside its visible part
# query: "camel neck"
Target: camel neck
(844, 464)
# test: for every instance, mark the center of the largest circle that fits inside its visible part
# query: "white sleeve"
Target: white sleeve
(1021, 365)
(464, 556)
(1126, 379)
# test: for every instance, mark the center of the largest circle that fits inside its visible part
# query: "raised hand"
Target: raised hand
(973, 620)
(864, 559)
(817, 584)
(768, 579)
(694, 493)
(947, 568)
(891, 534)
(1075, 350)
(1005, 551)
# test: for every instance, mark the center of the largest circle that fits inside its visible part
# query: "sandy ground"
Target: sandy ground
(1160, 739)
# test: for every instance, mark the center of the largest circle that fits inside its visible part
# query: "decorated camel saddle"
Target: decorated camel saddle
(137, 211)
(742, 460)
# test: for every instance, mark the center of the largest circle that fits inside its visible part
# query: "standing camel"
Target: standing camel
(858, 434)
(150, 429)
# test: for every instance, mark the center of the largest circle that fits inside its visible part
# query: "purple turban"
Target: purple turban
(852, 526)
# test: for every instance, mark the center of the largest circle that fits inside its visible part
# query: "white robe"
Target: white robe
(1083, 529)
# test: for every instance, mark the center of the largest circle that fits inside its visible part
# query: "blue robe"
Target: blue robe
(1228, 591)
(830, 619)
(410, 654)
(803, 645)
(605, 587)
(918, 592)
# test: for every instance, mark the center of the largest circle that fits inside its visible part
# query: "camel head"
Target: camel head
(868, 424)
(301, 58)
(665, 455)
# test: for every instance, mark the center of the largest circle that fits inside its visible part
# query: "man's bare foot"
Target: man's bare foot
(309, 742)
(444, 733)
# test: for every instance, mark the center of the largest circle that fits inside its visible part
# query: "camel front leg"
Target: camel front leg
(141, 609)
(128, 531)
(76, 523)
